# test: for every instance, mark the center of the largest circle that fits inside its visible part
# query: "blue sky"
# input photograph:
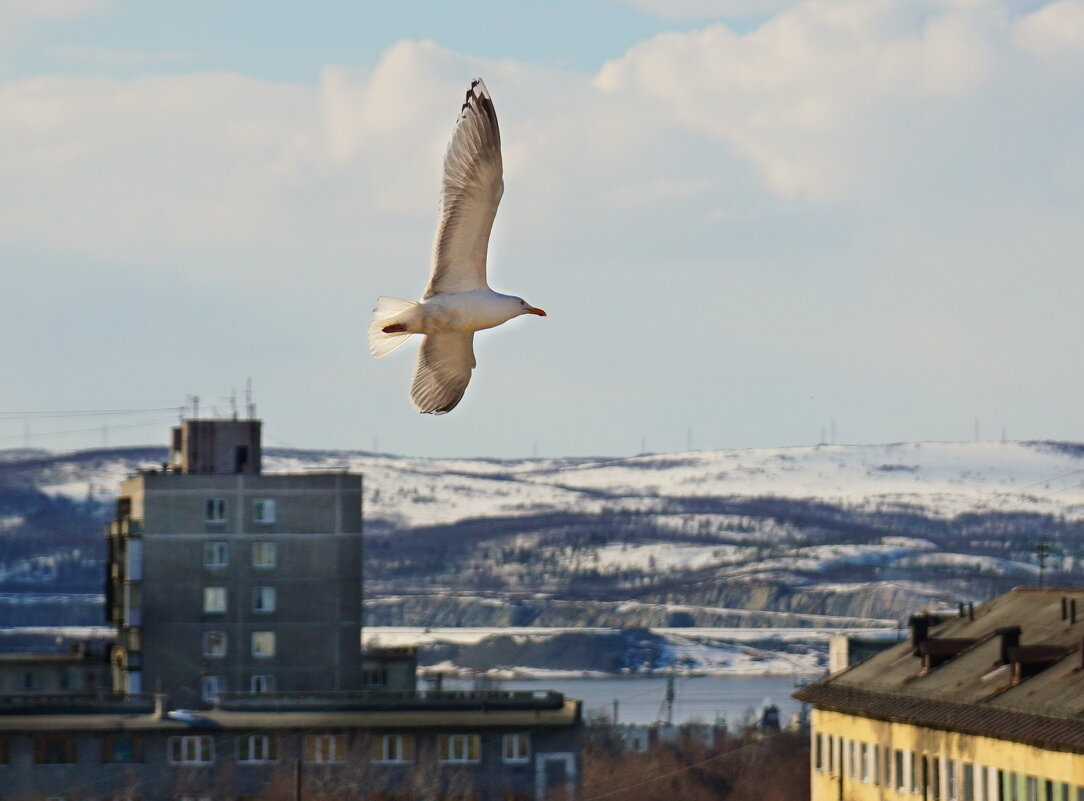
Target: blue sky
(747, 218)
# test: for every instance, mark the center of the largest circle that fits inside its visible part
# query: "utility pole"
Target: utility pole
(1042, 550)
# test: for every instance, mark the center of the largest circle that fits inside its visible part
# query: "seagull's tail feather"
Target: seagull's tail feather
(387, 309)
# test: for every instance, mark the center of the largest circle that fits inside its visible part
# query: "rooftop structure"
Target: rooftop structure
(987, 701)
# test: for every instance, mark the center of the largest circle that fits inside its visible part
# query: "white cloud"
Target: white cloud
(709, 9)
(820, 205)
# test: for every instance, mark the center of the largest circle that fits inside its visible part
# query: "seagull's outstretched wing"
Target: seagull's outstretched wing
(472, 189)
(442, 372)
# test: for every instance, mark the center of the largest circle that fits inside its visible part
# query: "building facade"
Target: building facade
(987, 705)
(222, 578)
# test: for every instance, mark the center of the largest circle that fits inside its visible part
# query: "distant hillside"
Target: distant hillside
(830, 535)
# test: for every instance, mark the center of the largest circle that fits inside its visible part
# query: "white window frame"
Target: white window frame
(393, 749)
(264, 555)
(263, 683)
(191, 749)
(261, 744)
(264, 600)
(211, 686)
(516, 748)
(215, 600)
(458, 748)
(264, 510)
(216, 510)
(326, 749)
(260, 639)
(215, 644)
(216, 553)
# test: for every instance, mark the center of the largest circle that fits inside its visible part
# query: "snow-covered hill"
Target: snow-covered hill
(863, 532)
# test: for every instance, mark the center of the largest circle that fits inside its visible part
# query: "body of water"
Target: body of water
(641, 700)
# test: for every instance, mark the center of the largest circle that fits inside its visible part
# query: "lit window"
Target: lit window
(263, 599)
(191, 750)
(264, 554)
(214, 599)
(215, 510)
(264, 510)
(459, 747)
(54, 750)
(257, 748)
(393, 748)
(325, 747)
(214, 644)
(262, 684)
(516, 747)
(215, 554)
(212, 686)
(263, 643)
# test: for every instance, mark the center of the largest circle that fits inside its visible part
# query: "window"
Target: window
(215, 510)
(5, 752)
(818, 752)
(968, 782)
(263, 599)
(212, 686)
(262, 684)
(325, 747)
(901, 785)
(216, 554)
(214, 644)
(459, 747)
(120, 748)
(864, 763)
(914, 772)
(516, 747)
(1033, 789)
(191, 750)
(264, 510)
(29, 680)
(264, 554)
(393, 748)
(258, 748)
(214, 599)
(374, 677)
(852, 759)
(54, 750)
(951, 775)
(263, 643)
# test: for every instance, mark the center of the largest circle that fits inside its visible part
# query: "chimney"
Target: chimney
(161, 705)
(970, 610)
(963, 609)
(1010, 638)
(920, 630)
(1072, 610)
(1064, 607)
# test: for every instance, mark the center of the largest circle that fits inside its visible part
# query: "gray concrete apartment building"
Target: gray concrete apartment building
(222, 578)
(237, 671)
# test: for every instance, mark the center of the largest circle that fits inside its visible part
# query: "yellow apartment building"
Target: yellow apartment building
(987, 705)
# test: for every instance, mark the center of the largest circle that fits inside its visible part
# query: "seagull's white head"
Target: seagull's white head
(527, 308)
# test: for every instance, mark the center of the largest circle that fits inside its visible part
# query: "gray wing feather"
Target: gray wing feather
(442, 372)
(471, 191)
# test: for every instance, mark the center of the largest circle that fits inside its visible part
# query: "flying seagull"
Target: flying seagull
(458, 301)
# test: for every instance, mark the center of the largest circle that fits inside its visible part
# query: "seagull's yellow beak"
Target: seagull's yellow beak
(533, 310)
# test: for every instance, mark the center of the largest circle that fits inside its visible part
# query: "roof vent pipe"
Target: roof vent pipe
(963, 609)
(970, 610)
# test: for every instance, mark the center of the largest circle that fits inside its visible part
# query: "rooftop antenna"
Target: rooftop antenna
(195, 407)
(233, 402)
(249, 407)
